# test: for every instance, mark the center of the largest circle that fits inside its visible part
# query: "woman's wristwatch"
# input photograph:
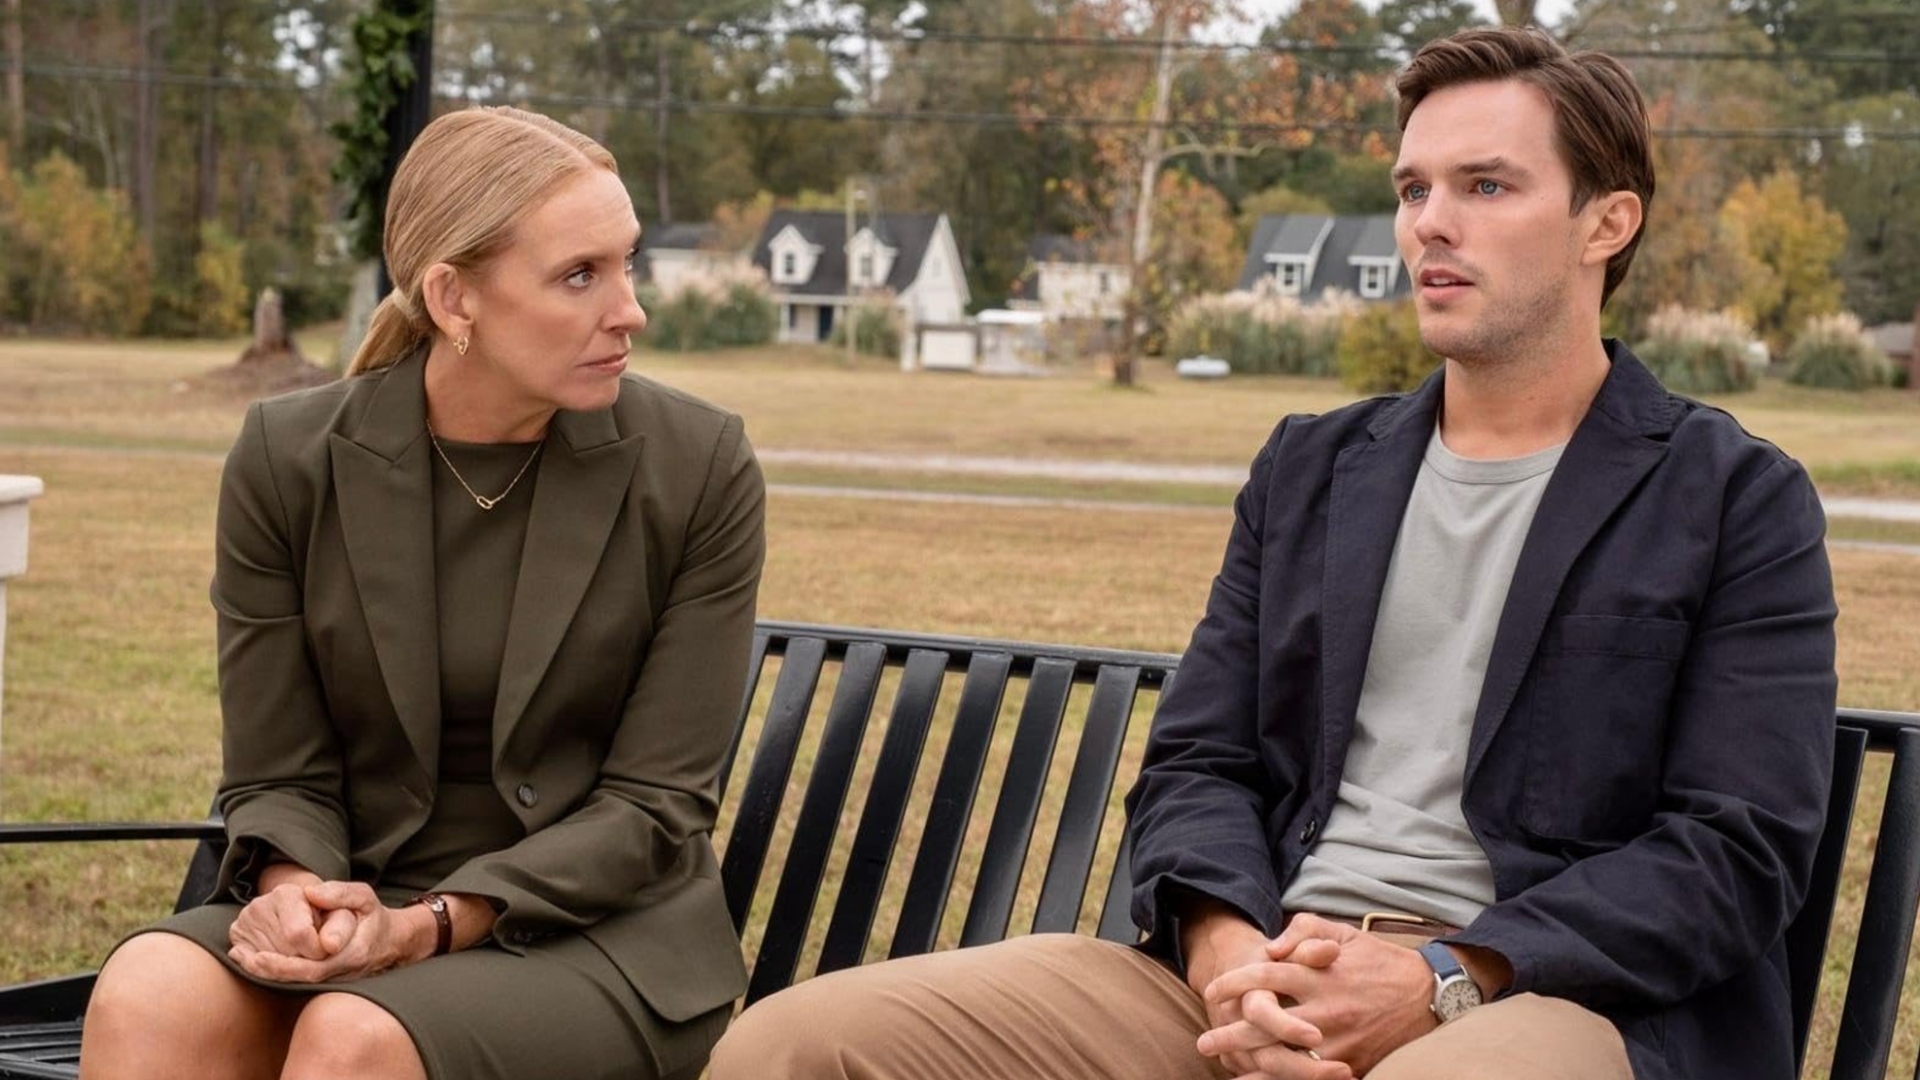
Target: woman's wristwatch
(442, 921)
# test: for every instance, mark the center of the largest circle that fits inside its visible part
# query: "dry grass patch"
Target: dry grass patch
(808, 398)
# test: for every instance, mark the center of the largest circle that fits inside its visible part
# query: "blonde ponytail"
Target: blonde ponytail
(392, 333)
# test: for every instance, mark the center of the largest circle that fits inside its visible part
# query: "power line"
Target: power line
(694, 28)
(920, 116)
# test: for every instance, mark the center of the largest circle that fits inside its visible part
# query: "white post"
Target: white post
(15, 493)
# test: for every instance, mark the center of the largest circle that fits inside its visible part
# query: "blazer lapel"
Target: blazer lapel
(1371, 484)
(1619, 441)
(383, 481)
(584, 477)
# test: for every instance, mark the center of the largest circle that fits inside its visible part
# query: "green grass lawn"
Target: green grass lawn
(110, 698)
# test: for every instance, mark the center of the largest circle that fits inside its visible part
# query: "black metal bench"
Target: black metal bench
(839, 900)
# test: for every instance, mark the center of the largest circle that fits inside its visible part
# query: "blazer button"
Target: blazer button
(526, 795)
(1310, 830)
(521, 937)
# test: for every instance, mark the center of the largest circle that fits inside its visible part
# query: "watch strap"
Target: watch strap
(442, 921)
(1441, 959)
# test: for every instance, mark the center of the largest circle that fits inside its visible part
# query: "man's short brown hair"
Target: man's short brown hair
(1600, 119)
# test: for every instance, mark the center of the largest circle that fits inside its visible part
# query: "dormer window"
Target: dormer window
(792, 258)
(1373, 281)
(866, 269)
(1291, 277)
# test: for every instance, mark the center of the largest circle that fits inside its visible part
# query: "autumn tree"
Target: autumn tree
(1784, 243)
(1154, 100)
(1873, 183)
(75, 255)
(1196, 248)
(1683, 256)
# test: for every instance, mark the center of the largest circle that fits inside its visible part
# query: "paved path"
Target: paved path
(1905, 510)
(1136, 472)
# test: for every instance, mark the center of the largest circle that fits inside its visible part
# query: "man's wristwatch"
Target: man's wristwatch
(1454, 991)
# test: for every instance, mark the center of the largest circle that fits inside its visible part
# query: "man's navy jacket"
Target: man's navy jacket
(1649, 761)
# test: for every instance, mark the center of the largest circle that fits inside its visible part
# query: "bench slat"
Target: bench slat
(892, 787)
(1807, 937)
(1078, 836)
(952, 807)
(767, 780)
(1018, 807)
(1887, 922)
(756, 660)
(819, 820)
(1116, 916)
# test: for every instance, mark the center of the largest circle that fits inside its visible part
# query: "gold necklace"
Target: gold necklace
(480, 500)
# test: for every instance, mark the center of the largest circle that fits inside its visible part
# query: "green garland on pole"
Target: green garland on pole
(382, 71)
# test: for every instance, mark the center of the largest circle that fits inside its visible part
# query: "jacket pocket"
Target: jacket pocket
(1595, 715)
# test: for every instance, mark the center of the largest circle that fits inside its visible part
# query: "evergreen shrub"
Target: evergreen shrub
(876, 327)
(715, 310)
(1380, 350)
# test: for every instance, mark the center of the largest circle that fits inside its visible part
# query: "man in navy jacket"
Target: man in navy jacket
(1503, 746)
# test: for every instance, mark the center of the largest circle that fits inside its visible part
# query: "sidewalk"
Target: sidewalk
(1221, 475)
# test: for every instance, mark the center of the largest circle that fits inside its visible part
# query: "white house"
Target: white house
(1065, 280)
(670, 255)
(1304, 255)
(816, 272)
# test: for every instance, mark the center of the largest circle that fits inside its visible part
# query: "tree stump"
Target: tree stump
(270, 340)
(271, 363)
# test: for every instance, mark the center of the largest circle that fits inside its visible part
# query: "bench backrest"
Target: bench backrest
(1085, 697)
(1050, 733)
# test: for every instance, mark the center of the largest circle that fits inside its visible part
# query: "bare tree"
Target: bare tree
(152, 19)
(1516, 12)
(16, 80)
(207, 185)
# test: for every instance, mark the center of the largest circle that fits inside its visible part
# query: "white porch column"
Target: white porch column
(15, 493)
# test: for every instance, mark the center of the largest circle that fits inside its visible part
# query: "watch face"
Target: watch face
(1455, 996)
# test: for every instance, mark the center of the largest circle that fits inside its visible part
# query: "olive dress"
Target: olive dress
(562, 1009)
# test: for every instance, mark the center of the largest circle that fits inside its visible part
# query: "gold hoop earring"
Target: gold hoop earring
(461, 345)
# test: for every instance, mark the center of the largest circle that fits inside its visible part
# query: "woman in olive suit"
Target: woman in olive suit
(485, 609)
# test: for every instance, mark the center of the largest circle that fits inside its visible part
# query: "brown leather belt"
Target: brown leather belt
(1396, 922)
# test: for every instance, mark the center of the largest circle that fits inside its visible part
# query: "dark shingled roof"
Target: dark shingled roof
(1058, 247)
(909, 234)
(1364, 236)
(680, 236)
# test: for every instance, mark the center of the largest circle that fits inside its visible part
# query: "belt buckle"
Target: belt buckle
(1371, 917)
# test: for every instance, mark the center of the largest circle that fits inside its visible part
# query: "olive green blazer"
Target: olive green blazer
(625, 664)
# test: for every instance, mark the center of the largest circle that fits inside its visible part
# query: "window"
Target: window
(789, 266)
(1291, 276)
(1106, 283)
(866, 268)
(1373, 282)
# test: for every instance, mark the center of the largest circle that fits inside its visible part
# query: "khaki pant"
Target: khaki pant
(1070, 1007)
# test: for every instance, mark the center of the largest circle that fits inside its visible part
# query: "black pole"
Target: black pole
(406, 119)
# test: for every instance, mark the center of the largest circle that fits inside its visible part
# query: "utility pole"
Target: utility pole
(847, 313)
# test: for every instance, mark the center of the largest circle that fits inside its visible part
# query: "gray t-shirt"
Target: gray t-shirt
(1396, 839)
